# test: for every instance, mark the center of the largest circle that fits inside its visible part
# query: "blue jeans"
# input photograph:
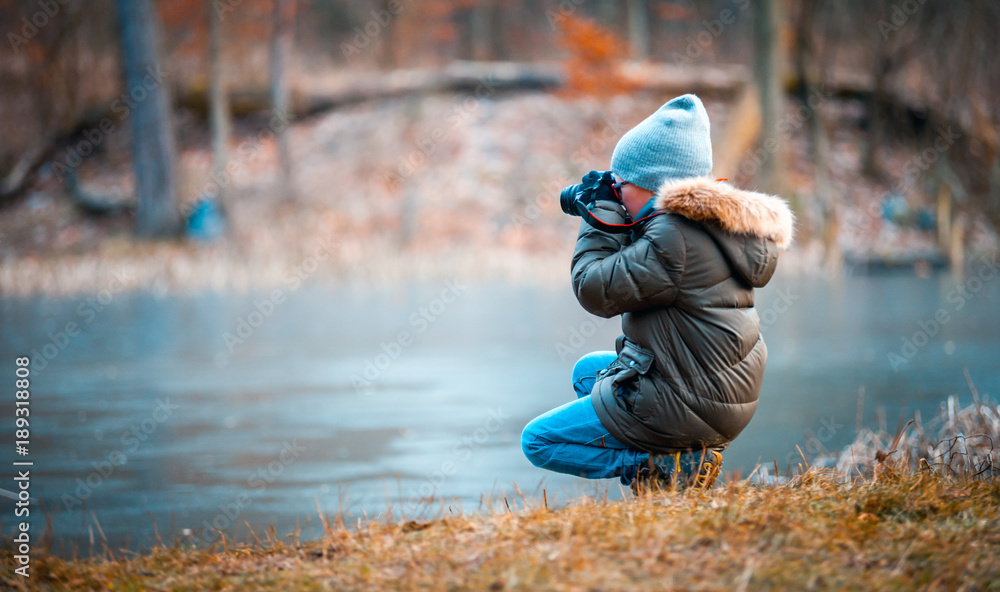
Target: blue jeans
(571, 439)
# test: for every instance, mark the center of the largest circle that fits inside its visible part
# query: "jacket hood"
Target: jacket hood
(749, 227)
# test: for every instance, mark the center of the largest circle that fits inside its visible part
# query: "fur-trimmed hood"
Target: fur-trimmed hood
(749, 227)
(737, 210)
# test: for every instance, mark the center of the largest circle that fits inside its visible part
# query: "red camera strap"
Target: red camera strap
(617, 228)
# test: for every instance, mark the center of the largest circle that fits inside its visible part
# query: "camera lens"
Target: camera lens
(568, 197)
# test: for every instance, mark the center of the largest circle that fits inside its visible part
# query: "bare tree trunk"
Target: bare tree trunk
(499, 37)
(481, 29)
(876, 110)
(409, 200)
(956, 248)
(385, 47)
(638, 28)
(607, 12)
(767, 62)
(809, 72)
(153, 147)
(942, 178)
(218, 107)
(740, 136)
(281, 47)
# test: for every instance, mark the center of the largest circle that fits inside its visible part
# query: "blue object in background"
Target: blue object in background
(926, 219)
(895, 208)
(205, 222)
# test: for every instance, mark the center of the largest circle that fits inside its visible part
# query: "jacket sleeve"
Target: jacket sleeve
(611, 278)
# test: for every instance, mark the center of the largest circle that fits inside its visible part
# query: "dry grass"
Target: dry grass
(959, 441)
(918, 531)
(916, 516)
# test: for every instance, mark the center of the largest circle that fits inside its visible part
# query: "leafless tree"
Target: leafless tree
(153, 144)
(638, 27)
(218, 104)
(281, 48)
(767, 62)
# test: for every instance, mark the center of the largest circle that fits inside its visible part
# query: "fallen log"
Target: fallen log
(314, 96)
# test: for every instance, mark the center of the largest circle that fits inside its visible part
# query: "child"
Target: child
(685, 376)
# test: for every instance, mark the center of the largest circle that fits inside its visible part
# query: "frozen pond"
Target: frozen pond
(171, 409)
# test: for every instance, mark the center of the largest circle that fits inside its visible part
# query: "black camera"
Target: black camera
(576, 200)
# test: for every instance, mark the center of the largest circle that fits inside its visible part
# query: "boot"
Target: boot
(678, 471)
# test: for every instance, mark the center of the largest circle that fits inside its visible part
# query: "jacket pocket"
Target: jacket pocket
(633, 361)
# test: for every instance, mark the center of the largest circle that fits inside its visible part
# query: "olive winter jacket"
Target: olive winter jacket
(691, 360)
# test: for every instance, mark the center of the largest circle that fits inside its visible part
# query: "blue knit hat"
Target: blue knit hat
(673, 143)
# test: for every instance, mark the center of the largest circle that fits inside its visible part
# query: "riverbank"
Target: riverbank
(920, 510)
(917, 531)
(415, 190)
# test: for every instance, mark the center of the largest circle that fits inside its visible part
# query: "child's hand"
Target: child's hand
(609, 211)
(606, 190)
